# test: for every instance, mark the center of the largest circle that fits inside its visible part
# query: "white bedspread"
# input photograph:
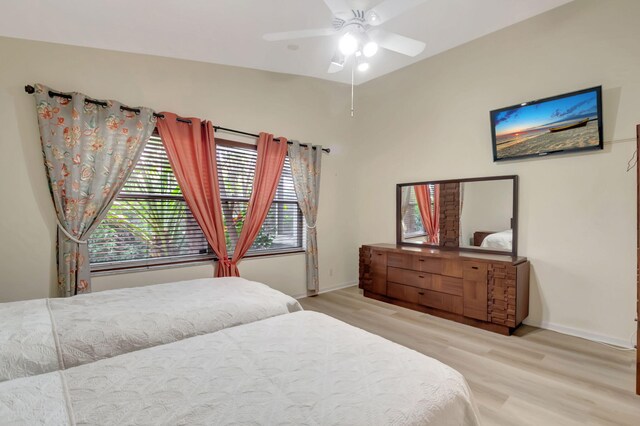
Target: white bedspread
(303, 368)
(498, 240)
(39, 336)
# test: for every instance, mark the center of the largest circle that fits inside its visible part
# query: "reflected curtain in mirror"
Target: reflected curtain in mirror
(428, 198)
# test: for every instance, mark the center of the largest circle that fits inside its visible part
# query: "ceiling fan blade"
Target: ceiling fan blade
(338, 7)
(292, 35)
(389, 9)
(397, 43)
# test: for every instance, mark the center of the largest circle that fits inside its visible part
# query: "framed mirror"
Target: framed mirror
(472, 214)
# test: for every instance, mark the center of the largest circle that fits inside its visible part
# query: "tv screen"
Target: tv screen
(565, 123)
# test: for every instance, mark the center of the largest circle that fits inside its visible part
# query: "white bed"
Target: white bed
(39, 336)
(499, 240)
(301, 368)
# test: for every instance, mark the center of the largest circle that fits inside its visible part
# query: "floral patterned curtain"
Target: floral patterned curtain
(305, 169)
(89, 152)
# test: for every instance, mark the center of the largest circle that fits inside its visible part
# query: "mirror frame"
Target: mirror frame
(514, 217)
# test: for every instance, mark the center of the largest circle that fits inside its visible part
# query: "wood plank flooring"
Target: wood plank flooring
(535, 377)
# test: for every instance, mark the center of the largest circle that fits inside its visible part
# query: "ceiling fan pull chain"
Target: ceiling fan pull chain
(352, 77)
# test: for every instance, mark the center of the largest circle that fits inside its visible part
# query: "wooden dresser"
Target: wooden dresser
(484, 290)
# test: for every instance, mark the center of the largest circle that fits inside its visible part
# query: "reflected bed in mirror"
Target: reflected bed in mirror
(473, 214)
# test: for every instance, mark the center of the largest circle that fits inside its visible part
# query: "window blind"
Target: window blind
(150, 223)
(283, 228)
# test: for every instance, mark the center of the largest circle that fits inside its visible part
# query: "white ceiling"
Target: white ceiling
(230, 31)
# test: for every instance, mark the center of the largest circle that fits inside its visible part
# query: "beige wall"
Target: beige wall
(310, 110)
(577, 212)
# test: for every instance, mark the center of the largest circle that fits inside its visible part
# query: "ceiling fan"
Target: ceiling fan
(360, 35)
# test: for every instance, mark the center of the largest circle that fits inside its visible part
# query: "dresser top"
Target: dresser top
(449, 254)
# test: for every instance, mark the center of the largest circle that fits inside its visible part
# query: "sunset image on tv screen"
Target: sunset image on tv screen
(560, 124)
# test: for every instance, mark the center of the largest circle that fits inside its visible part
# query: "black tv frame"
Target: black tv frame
(492, 115)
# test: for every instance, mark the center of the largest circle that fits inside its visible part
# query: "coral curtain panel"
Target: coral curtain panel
(89, 152)
(305, 168)
(269, 164)
(191, 149)
(431, 221)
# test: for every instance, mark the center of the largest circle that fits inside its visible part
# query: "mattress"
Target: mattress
(39, 336)
(301, 368)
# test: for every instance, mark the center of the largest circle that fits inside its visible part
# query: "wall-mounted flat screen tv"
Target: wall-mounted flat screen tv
(560, 124)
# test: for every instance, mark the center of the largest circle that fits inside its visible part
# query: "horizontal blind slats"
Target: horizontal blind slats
(150, 221)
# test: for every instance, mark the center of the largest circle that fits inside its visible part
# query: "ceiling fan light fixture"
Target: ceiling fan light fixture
(348, 44)
(370, 48)
(362, 65)
(338, 59)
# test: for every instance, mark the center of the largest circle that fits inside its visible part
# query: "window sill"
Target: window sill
(415, 235)
(169, 264)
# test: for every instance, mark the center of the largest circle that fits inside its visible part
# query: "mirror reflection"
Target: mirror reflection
(420, 211)
(486, 208)
(474, 214)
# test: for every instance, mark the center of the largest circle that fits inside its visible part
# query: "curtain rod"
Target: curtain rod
(30, 90)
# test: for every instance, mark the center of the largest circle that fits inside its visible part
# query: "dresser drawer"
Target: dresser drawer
(444, 284)
(419, 296)
(474, 271)
(401, 260)
(415, 262)
(442, 301)
(404, 292)
(452, 268)
(409, 277)
(428, 264)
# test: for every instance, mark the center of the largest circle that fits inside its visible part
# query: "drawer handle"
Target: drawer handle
(474, 267)
(421, 293)
(379, 254)
(420, 260)
(420, 276)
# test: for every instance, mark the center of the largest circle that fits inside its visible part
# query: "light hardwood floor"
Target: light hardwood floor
(535, 377)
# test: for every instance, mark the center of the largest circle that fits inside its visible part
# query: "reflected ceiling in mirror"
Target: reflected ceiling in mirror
(476, 214)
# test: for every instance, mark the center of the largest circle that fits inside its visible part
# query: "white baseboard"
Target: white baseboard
(328, 289)
(581, 333)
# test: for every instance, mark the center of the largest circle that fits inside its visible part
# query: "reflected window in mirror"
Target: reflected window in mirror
(420, 211)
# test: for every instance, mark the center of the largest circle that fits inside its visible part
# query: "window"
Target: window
(412, 219)
(283, 228)
(149, 223)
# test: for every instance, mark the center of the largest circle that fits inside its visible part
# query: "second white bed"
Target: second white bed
(38, 336)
